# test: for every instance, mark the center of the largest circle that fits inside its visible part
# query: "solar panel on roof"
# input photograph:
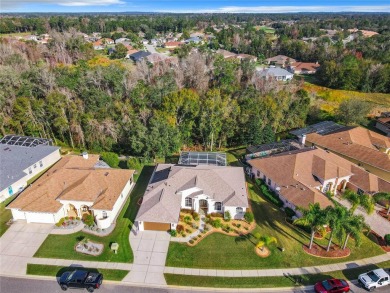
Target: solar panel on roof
(26, 141)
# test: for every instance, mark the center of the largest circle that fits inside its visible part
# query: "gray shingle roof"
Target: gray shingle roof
(162, 199)
(14, 159)
(275, 71)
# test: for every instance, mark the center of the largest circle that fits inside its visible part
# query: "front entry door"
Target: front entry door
(203, 205)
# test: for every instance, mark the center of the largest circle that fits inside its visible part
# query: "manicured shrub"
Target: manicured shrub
(200, 236)
(216, 223)
(238, 225)
(111, 159)
(188, 231)
(234, 224)
(289, 212)
(195, 215)
(183, 234)
(249, 217)
(187, 219)
(66, 218)
(173, 233)
(271, 196)
(60, 222)
(227, 228)
(78, 218)
(179, 228)
(191, 241)
(89, 220)
(228, 217)
(387, 239)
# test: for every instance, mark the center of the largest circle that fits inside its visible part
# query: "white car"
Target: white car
(374, 279)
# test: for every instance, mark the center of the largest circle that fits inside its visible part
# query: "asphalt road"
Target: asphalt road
(19, 285)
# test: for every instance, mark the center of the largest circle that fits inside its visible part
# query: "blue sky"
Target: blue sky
(229, 6)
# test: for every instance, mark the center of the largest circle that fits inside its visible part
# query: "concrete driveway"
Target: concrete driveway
(150, 251)
(19, 243)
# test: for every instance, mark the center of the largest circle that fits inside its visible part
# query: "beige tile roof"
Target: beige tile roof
(162, 199)
(357, 143)
(74, 178)
(293, 173)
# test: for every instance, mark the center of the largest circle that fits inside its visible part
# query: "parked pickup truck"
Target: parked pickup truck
(374, 279)
(81, 279)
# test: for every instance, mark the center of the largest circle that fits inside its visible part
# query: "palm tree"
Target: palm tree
(383, 196)
(265, 241)
(336, 217)
(313, 217)
(353, 226)
(365, 201)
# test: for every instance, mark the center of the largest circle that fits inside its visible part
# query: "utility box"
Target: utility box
(115, 247)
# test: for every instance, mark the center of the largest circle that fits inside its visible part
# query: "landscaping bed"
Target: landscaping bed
(57, 271)
(334, 251)
(188, 223)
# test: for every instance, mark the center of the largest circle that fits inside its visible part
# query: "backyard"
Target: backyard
(62, 246)
(225, 252)
(5, 215)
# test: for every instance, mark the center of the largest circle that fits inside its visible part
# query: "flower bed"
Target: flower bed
(89, 247)
(334, 252)
(188, 223)
(68, 223)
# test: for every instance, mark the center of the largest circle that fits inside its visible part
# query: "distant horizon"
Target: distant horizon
(192, 6)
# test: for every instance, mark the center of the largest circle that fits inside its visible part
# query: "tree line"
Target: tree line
(69, 93)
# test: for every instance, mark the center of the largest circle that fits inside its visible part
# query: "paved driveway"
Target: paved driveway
(19, 243)
(150, 251)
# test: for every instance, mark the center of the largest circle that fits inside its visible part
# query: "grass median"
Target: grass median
(57, 271)
(268, 282)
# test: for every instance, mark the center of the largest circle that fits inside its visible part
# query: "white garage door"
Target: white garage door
(39, 218)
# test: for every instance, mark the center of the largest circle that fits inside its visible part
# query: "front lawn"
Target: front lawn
(62, 246)
(5, 215)
(57, 271)
(224, 252)
(267, 282)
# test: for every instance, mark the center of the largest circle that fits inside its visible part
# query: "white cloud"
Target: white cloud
(290, 9)
(9, 5)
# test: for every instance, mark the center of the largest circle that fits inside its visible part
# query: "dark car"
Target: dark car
(81, 279)
(331, 286)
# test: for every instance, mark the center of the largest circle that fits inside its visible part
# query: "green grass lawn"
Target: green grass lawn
(5, 215)
(57, 271)
(225, 252)
(62, 246)
(267, 282)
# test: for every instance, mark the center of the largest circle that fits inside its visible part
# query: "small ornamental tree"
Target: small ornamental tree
(228, 217)
(111, 159)
(89, 220)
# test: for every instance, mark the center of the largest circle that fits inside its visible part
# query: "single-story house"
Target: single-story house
(156, 58)
(195, 40)
(246, 57)
(304, 67)
(138, 56)
(226, 54)
(276, 73)
(304, 176)
(359, 145)
(172, 45)
(76, 186)
(202, 188)
(22, 158)
(383, 124)
(280, 60)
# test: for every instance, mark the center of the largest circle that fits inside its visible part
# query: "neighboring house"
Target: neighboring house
(153, 42)
(108, 41)
(280, 60)
(276, 73)
(172, 45)
(304, 67)
(383, 124)
(302, 177)
(263, 150)
(226, 54)
(366, 34)
(138, 56)
(156, 58)
(130, 52)
(202, 188)
(98, 45)
(22, 158)
(76, 186)
(361, 146)
(195, 40)
(145, 42)
(31, 38)
(121, 40)
(246, 57)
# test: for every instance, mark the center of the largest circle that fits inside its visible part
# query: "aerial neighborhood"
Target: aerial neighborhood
(219, 150)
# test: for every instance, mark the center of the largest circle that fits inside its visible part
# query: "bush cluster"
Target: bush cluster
(387, 239)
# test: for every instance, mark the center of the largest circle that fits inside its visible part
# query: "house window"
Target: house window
(239, 210)
(10, 191)
(218, 206)
(188, 202)
(265, 178)
(85, 209)
(258, 173)
(269, 181)
(121, 195)
(104, 214)
(40, 163)
(360, 191)
(35, 165)
(29, 170)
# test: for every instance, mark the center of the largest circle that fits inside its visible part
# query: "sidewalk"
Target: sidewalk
(278, 272)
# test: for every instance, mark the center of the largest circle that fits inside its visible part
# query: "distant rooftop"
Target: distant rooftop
(202, 158)
(322, 128)
(26, 141)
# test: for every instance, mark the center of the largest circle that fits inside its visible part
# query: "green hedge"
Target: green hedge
(387, 239)
(270, 195)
